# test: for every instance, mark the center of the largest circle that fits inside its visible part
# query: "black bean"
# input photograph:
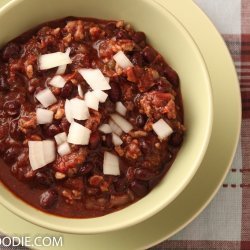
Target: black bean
(153, 182)
(176, 139)
(111, 26)
(139, 37)
(143, 174)
(109, 106)
(11, 155)
(140, 120)
(121, 185)
(138, 188)
(67, 90)
(52, 130)
(94, 140)
(85, 168)
(122, 34)
(108, 142)
(12, 108)
(11, 51)
(44, 179)
(149, 54)
(172, 76)
(48, 198)
(137, 59)
(115, 92)
(15, 132)
(64, 125)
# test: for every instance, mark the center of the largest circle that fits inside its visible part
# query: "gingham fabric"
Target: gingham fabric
(225, 223)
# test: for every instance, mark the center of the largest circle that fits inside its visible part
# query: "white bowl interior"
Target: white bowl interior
(172, 40)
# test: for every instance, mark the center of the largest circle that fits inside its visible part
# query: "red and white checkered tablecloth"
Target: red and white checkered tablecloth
(225, 223)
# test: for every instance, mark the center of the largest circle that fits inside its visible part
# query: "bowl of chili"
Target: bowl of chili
(105, 117)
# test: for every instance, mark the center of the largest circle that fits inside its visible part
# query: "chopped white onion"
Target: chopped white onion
(105, 128)
(111, 164)
(95, 79)
(36, 155)
(64, 149)
(60, 138)
(101, 95)
(44, 116)
(57, 81)
(79, 109)
(67, 109)
(122, 60)
(115, 128)
(53, 60)
(162, 129)
(67, 51)
(41, 153)
(61, 69)
(117, 141)
(78, 134)
(46, 97)
(80, 92)
(122, 123)
(49, 151)
(120, 108)
(91, 100)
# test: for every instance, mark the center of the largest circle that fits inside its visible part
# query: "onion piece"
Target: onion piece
(79, 109)
(57, 81)
(46, 97)
(80, 92)
(162, 129)
(95, 79)
(91, 100)
(101, 95)
(117, 141)
(122, 60)
(122, 123)
(36, 155)
(105, 128)
(44, 116)
(61, 69)
(67, 108)
(115, 128)
(78, 134)
(49, 151)
(60, 138)
(111, 164)
(53, 60)
(120, 108)
(41, 153)
(64, 149)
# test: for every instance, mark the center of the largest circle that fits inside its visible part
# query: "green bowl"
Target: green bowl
(173, 41)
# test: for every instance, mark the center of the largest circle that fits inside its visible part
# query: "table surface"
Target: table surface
(225, 223)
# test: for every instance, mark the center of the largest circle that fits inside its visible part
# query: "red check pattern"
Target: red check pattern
(239, 46)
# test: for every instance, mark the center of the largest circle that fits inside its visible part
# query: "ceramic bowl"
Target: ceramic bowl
(173, 41)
